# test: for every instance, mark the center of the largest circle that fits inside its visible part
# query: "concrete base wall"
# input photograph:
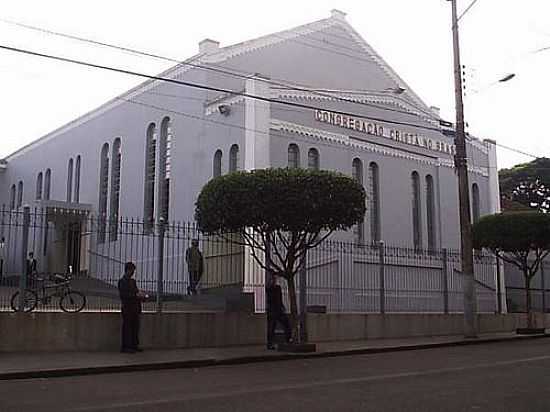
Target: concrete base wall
(101, 331)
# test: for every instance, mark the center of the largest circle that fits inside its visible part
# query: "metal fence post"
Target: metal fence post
(382, 276)
(499, 288)
(303, 300)
(160, 264)
(543, 287)
(445, 280)
(24, 247)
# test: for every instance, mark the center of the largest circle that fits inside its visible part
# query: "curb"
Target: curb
(209, 362)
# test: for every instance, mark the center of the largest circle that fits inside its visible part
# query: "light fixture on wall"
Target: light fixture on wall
(224, 109)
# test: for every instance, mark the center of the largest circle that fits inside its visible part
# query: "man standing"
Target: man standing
(193, 257)
(31, 270)
(131, 298)
(275, 311)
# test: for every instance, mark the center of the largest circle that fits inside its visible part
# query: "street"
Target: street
(491, 377)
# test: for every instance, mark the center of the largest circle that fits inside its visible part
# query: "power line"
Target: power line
(211, 88)
(467, 9)
(303, 88)
(518, 151)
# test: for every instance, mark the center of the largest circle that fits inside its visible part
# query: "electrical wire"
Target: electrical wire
(219, 69)
(211, 88)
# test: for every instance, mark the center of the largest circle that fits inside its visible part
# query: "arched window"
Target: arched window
(217, 164)
(103, 192)
(476, 212)
(293, 156)
(115, 190)
(47, 184)
(13, 191)
(20, 194)
(150, 172)
(234, 158)
(374, 199)
(70, 181)
(313, 159)
(430, 212)
(357, 174)
(39, 186)
(416, 211)
(77, 180)
(165, 149)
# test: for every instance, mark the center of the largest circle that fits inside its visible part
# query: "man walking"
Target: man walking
(193, 257)
(131, 298)
(275, 311)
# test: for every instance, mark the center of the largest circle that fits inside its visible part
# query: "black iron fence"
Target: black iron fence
(339, 276)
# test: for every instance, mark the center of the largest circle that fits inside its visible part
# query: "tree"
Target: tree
(519, 238)
(526, 186)
(280, 214)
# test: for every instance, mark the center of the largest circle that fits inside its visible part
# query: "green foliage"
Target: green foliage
(289, 200)
(513, 232)
(526, 186)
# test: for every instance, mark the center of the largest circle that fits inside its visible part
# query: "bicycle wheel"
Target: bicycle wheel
(72, 301)
(30, 300)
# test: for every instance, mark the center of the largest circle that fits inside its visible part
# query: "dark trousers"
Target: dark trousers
(194, 279)
(272, 319)
(130, 329)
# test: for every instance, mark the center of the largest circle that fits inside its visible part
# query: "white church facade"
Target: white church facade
(147, 153)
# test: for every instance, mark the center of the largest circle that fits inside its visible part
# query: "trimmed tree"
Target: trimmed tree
(519, 238)
(280, 214)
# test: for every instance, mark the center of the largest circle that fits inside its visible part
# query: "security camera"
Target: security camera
(224, 109)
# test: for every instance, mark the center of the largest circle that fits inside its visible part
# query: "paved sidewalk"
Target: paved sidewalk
(44, 365)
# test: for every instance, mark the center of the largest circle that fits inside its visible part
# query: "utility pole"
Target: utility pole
(461, 164)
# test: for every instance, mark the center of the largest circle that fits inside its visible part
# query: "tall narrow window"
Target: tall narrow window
(165, 148)
(234, 158)
(293, 156)
(416, 211)
(374, 200)
(115, 190)
(103, 192)
(357, 174)
(39, 186)
(217, 166)
(70, 181)
(150, 167)
(20, 194)
(430, 212)
(313, 159)
(12, 197)
(47, 184)
(476, 212)
(77, 180)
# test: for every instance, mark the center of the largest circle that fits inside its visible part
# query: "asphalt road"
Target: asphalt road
(513, 376)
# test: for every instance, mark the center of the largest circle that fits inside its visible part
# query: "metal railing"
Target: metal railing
(340, 276)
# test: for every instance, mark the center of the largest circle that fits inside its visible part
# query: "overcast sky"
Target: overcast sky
(497, 37)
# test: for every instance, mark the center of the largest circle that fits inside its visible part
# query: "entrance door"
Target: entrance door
(73, 247)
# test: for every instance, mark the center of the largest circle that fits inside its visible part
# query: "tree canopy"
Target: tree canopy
(288, 200)
(526, 186)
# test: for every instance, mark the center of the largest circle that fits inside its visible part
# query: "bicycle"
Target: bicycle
(70, 301)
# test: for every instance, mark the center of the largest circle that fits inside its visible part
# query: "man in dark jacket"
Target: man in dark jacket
(131, 298)
(195, 266)
(275, 311)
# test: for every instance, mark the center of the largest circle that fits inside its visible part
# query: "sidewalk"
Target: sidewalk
(44, 365)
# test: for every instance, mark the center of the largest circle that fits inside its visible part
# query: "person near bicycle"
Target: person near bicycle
(131, 298)
(31, 270)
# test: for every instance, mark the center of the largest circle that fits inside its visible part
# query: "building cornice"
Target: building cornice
(337, 139)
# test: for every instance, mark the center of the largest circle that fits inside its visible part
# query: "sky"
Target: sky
(498, 37)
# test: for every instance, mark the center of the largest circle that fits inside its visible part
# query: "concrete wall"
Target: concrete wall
(101, 331)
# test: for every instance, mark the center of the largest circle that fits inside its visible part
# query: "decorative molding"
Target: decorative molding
(228, 100)
(355, 143)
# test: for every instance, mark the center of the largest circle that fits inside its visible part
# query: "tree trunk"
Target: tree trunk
(530, 320)
(293, 309)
